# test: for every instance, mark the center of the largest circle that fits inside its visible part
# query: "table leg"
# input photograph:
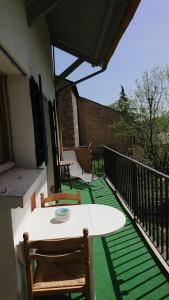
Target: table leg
(93, 291)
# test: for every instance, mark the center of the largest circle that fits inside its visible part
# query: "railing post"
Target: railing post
(134, 192)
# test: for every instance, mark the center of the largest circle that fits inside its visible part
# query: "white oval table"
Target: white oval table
(101, 220)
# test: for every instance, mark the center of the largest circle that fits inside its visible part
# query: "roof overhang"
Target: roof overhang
(87, 29)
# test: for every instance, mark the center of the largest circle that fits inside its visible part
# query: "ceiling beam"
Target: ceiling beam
(69, 70)
(39, 8)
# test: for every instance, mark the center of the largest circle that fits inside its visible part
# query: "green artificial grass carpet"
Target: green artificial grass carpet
(125, 268)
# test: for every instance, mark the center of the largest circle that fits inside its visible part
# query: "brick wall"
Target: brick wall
(95, 125)
(66, 117)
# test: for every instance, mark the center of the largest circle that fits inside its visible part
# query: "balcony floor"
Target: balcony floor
(125, 268)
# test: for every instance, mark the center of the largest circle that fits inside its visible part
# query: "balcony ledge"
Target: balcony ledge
(16, 185)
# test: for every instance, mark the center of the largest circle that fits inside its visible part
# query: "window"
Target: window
(4, 140)
(39, 122)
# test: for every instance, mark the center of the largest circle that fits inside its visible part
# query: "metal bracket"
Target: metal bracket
(60, 80)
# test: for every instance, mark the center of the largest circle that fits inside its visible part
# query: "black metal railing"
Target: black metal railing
(145, 191)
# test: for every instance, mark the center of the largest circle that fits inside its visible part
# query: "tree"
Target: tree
(149, 122)
(124, 104)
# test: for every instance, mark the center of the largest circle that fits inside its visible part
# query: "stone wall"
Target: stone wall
(95, 125)
(66, 117)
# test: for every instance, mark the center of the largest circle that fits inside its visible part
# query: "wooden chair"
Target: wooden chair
(33, 201)
(62, 266)
(60, 197)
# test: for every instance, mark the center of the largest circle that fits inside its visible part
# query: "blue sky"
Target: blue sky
(144, 45)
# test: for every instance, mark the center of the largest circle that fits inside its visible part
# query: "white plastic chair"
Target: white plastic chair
(75, 169)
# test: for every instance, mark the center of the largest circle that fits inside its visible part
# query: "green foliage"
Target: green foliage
(148, 122)
(97, 167)
(124, 104)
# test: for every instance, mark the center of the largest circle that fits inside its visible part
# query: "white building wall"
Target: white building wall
(22, 130)
(18, 218)
(8, 283)
(30, 49)
(28, 46)
(75, 119)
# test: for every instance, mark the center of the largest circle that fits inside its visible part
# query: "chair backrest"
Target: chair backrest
(59, 197)
(55, 251)
(70, 155)
(80, 156)
(33, 201)
(84, 158)
(75, 169)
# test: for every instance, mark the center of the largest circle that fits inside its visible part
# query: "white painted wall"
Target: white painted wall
(8, 282)
(19, 215)
(30, 48)
(75, 119)
(20, 185)
(21, 121)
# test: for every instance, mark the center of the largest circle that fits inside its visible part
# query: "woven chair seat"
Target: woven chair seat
(51, 275)
(57, 266)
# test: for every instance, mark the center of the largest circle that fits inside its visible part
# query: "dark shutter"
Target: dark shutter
(38, 121)
(55, 148)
